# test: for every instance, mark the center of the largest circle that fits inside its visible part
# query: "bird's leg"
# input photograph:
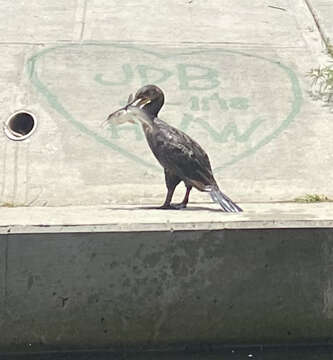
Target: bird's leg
(167, 202)
(183, 204)
(171, 182)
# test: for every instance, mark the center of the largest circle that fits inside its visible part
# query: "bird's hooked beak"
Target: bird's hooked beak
(139, 102)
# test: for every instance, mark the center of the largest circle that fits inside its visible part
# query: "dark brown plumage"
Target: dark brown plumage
(182, 158)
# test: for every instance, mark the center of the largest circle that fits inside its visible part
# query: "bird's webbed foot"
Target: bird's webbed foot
(179, 206)
(173, 206)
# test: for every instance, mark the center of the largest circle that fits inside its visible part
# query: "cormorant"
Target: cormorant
(182, 158)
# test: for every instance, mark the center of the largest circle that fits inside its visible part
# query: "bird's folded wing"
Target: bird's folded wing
(187, 158)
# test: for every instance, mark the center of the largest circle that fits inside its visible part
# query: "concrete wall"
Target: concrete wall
(66, 290)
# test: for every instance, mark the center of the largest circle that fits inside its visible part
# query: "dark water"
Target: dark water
(252, 353)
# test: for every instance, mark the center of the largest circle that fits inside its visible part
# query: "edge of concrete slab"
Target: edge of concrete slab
(124, 218)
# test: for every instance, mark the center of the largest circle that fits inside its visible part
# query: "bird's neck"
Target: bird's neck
(152, 109)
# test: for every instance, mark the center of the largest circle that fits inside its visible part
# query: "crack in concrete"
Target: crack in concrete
(83, 19)
(64, 301)
(80, 22)
(317, 22)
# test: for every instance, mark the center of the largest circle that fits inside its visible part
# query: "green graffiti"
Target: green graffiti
(56, 104)
(296, 103)
(128, 72)
(239, 103)
(191, 77)
(197, 77)
(145, 72)
(228, 131)
(194, 103)
(215, 97)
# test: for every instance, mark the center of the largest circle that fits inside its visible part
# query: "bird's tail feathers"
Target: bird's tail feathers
(223, 200)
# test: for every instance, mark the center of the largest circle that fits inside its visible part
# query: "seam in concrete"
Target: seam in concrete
(170, 43)
(317, 22)
(80, 19)
(83, 19)
(172, 350)
(20, 43)
(15, 175)
(4, 164)
(5, 276)
(27, 173)
(159, 227)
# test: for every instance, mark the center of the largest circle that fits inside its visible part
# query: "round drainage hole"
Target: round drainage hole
(20, 125)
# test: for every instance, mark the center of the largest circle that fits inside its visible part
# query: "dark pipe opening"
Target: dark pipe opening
(20, 125)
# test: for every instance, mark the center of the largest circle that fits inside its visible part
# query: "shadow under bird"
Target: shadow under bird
(182, 158)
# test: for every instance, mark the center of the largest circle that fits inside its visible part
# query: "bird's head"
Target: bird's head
(144, 106)
(150, 98)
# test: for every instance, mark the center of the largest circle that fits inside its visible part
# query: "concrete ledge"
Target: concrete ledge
(126, 218)
(223, 281)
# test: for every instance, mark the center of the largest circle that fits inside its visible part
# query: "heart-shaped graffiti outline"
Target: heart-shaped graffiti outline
(56, 104)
